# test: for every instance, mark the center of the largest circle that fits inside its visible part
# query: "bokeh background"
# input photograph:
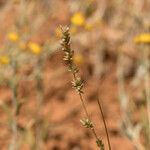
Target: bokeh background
(39, 110)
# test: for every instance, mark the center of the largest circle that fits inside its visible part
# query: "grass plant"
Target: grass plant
(78, 85)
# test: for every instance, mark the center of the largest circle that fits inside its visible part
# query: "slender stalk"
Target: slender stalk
(146, 84)
(85, 109)
(123, 98)
(13, 145)
(39, 89)
(13, 85)
(104, 122)
(86, 112)
(82, 101)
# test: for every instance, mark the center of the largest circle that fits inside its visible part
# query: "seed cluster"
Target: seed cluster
(87, 123)
(77, 83)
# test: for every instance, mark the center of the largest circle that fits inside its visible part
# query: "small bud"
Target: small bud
(73, 69)
(67, 29)
(87, 123)
(100, 144)
(78, 85)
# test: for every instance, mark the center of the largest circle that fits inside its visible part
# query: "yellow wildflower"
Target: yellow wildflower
(142, 38)
(88, 26)
(78, 19)
(78, 59)
(35, 48)
(13, 36)
(4, 60)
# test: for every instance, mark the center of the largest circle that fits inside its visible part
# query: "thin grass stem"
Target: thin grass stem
(104, 122)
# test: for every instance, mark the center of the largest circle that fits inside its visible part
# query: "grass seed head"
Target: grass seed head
(87, 123)
(100, 144)
(77, 84)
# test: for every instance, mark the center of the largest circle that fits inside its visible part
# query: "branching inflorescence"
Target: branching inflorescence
(77, 82)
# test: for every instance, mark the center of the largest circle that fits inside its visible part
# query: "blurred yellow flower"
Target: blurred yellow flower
(88, 26)
(13, 36)
(78, 19)
(78, 59)
(142, 38)
(4, 60)
(34, 48)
